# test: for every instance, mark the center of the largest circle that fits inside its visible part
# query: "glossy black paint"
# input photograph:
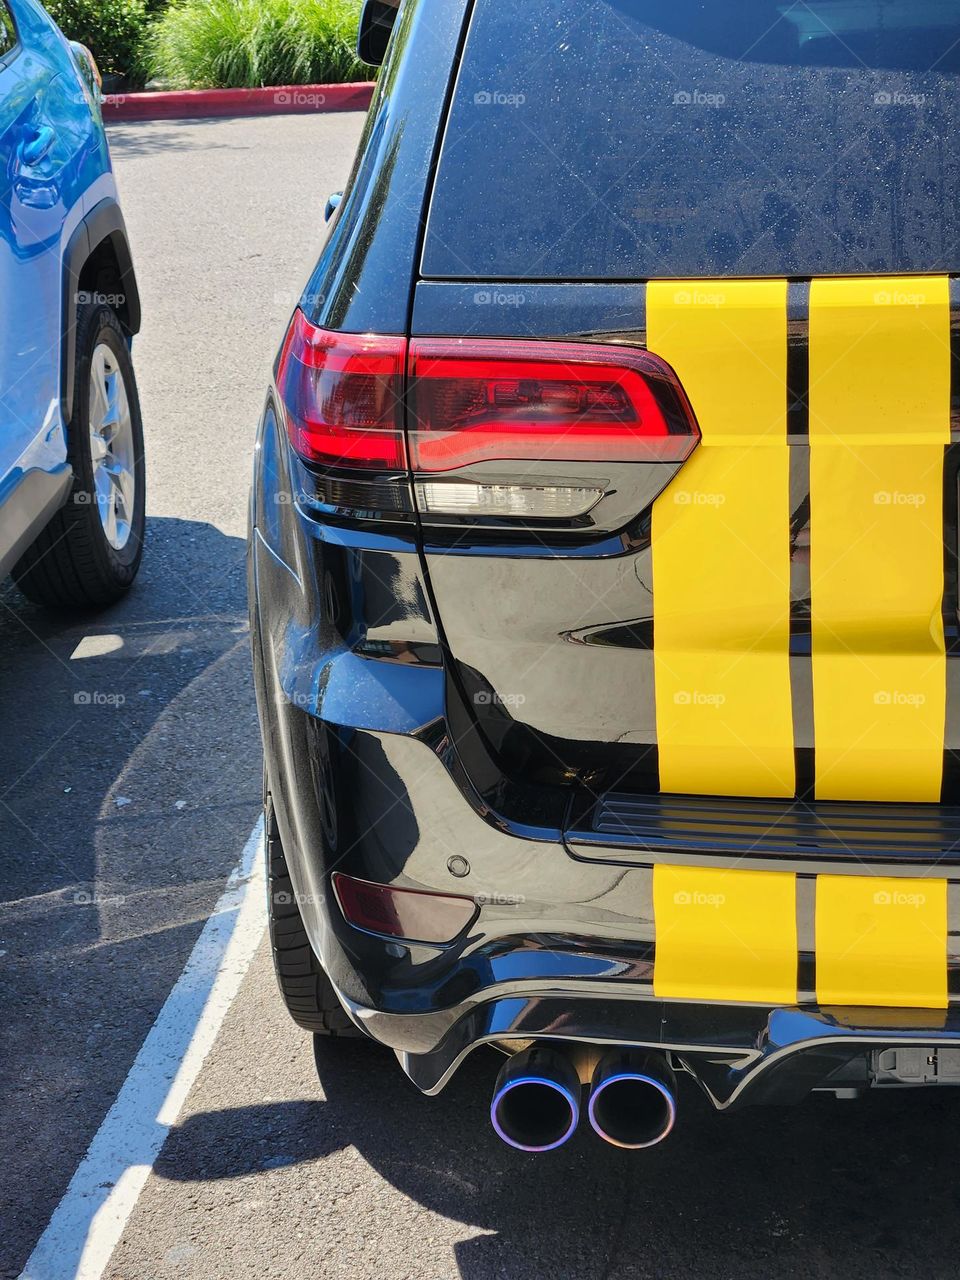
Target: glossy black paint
(446, 711)
(367, 740)
(366, 270)
(512, 310)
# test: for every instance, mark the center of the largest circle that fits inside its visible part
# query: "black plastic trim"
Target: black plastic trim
(792, 829)
(104, 222)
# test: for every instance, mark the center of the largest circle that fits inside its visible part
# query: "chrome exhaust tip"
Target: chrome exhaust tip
(536, 1100)
(633, 1099)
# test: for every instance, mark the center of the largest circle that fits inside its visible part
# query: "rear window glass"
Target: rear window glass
(635, 139)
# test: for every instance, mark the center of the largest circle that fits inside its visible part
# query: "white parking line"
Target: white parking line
(89, 1220)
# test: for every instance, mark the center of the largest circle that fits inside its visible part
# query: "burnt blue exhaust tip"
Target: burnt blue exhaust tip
(536, 1101)
(633, 1099)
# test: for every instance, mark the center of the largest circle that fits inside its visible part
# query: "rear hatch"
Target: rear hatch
(766, 197)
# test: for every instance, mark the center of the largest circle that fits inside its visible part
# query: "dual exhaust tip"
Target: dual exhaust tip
(536, 1101)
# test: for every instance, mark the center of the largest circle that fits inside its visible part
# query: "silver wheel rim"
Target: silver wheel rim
(111, 448)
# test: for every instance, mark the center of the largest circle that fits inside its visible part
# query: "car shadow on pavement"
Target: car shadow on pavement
(827, 1188)
(130, 778)
(139, 138)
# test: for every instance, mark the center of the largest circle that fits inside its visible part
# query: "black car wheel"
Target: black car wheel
(90, 552)
(307, 991)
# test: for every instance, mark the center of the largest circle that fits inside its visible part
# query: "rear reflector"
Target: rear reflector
(403, 913)
(475, 400)
(343, 395)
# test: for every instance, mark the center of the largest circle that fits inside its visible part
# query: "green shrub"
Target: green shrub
(112, 29)
(228, 44)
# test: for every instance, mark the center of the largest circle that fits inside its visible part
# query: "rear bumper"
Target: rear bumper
(563, 949)
(738, 1055)
(367, 780)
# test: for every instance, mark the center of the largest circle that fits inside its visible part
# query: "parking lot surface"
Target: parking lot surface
(129, 784)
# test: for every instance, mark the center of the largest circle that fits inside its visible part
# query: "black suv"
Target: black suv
(604, 560)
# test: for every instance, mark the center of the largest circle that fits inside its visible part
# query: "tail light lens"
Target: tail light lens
(88, 66)
(343, 395)
(480, 400)
(474, 400)
(410, 914)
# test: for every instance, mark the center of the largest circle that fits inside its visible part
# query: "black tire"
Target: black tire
(72, 565)
(305, 988)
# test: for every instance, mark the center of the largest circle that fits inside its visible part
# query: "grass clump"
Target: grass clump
(245, 44)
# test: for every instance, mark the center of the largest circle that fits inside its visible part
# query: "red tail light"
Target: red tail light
(343, 394)
(403, 913)
(475, 400)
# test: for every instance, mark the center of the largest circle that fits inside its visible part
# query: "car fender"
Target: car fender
(102, 226)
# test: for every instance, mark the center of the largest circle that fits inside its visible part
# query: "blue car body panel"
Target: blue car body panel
(54, 170)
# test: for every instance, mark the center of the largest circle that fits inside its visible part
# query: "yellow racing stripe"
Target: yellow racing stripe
(725, 935)
(881, 942)
(721, 559)
(879, 418)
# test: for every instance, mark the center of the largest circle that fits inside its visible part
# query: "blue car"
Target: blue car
(71, 440)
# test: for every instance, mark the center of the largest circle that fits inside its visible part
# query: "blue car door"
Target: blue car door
(12, 101)
(34, 207)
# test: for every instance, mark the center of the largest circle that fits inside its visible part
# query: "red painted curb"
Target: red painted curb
(282, 100)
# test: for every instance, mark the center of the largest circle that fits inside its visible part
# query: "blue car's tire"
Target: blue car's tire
(89, 554)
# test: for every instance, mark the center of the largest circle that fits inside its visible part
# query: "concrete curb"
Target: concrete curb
(195, 103)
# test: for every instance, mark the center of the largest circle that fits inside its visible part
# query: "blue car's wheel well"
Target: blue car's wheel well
(97, 264)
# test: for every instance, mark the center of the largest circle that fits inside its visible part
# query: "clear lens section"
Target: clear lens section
(523, 502)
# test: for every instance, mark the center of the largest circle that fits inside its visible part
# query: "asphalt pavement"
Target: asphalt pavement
(130, 767)
(129, 783)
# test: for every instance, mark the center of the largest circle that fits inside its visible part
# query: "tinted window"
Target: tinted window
(8, 32)
(630, 139)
